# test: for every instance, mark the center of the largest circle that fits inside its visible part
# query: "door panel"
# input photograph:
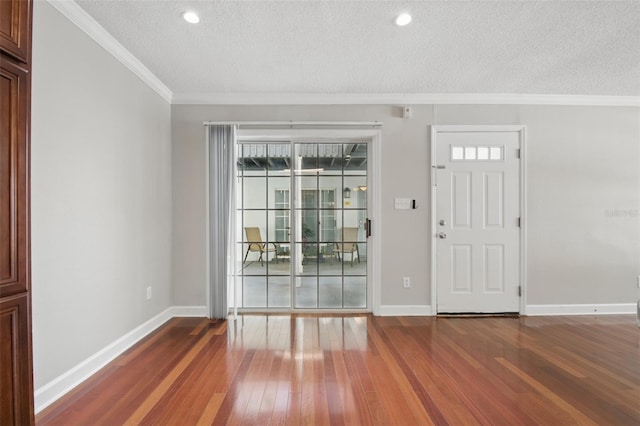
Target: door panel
(13, 178)
(493, 200)
(263, 200)
(477, 232)
(15, 355)
(494, 268)
(461, 268)
(461, 200)
(15, 28)
(330, 210)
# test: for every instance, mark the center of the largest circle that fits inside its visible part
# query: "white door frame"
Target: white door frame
(329, 131)
(435, 130)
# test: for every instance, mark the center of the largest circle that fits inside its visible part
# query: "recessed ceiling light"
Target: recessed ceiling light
(403, 19)
(191, 17)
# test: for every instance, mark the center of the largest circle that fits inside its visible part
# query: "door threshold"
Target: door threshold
(478, 314)
(328, 312)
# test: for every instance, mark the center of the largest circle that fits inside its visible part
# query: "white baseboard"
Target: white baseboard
(403, 310)
(188, 311)
(581, 309)
(52, 391)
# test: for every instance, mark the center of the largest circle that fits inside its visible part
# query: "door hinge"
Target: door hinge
(519, 223)
(518, 153)
(519, 291)
(434, 175)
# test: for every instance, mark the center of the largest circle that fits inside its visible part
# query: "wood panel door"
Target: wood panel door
(16, 382)
(16, 396)
(15, 29)
(14, 251)
(477, 187)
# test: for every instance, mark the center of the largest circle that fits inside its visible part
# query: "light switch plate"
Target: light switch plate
(403, 203)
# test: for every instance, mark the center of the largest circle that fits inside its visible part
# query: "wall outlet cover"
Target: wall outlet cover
(406, 282)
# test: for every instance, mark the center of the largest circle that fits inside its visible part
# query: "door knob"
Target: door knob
(442, 235)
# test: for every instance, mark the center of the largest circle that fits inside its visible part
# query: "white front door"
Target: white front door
(477, 218)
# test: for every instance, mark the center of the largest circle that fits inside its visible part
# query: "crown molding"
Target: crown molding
(398, 98)
(93, 29)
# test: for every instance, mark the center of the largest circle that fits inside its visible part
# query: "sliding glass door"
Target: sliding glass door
(302, 210)
(264, 226)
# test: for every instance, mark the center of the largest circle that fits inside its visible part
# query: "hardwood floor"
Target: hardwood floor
(353, 370)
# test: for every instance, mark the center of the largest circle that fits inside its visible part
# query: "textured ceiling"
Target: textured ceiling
(328, 47)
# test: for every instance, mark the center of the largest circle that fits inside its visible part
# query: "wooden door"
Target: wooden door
(15, 29)
(16, 392)
(477, 221)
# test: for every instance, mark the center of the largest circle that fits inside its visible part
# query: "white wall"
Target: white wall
(583, 164)
(101, 197)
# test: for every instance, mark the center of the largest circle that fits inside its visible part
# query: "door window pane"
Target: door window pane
(253, 160)
(330, 292)
(355, 292)
(469, 152)
(254, 291)
(328, 263)
(355, 158)
(355, 219)
(280, 217)
(457, 153)
(254, 192)
(330, 191)
(306, 159)
(354, 260)
(306, 292)
(496, 153)
(279, 158)
(330, 159)
(279, 293)
(483, 153)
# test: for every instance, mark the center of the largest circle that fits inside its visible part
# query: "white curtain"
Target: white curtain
(222, 171)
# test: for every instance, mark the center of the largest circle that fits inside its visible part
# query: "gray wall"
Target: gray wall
(583, 195)
(101, 197)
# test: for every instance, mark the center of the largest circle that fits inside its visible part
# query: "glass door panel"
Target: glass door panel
(306, 294)
(264, 186)
(330, 211)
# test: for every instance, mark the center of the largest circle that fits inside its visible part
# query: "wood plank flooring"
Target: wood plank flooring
(366, 370)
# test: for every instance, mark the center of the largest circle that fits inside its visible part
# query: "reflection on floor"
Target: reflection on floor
(319, 285)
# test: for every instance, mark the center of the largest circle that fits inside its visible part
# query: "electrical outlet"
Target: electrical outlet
(148, 293)
(406, 282)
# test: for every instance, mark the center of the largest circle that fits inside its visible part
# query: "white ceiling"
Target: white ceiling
(352, 47)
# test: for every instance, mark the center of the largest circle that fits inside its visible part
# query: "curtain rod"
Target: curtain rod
(295, 124)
